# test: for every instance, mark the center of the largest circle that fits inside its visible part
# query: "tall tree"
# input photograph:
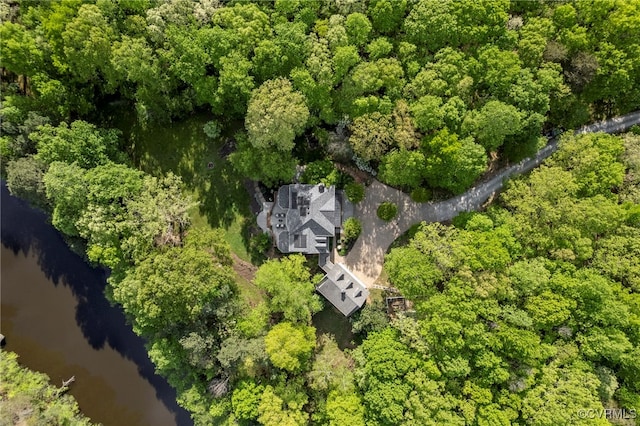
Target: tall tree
(290, 287)
(289, 347)
(453, 163)
(275, 115)
(179, 286)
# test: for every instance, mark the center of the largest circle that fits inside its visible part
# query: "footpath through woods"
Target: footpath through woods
(366, 257)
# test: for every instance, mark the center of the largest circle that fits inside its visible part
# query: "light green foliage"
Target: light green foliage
(403, 168)
(212, 129)
(275, 115)
(289, 347)
(523, 314)
(81, 143)
(592, 160)
(351, 229)
(255, 322)
(345, 408)
(387, 211)
(371, 135)
(562, 391)
(275, 411)
(19, 49)
(25, 180)
(630, 188)
(245, 400)
(510, 303)
(331, 369)
(379, 48)
(179, 286)
(428, 113)
(235, 85)
(29, 398)
(66, 189)
(344, 58)
(355, 192)
(492, 124)
(358, 28)
(431, 24)
(120, 212)
(405, 132)
(290, 287)
(453, 163)
(418, 268)
(87, 46)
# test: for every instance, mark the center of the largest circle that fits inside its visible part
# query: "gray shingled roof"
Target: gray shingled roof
(343, 289)
(305, 212)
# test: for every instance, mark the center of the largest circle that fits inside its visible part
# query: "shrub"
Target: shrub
(212, 129)
(351, 230)
(387, 211)
(421, 195)
(355, 192)
(258, 246)
(322, 171)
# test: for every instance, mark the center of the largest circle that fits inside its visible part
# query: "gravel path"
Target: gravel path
(367, 255)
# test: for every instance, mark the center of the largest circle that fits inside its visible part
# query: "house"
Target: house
(305, 219)
(343, 289)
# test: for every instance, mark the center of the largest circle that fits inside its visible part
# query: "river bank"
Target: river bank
(55, 316)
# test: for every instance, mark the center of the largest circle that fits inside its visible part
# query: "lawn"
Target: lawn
(222, 200)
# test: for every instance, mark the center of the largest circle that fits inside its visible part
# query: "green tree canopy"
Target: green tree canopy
(290, 287)
(179, 286)
(275, 115)
(289, 347)
(80, 143)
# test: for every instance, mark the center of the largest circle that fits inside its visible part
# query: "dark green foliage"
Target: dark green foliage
(259, 245)
(421, 195)
(387, 211)
(266, 165)
(321, 171)
(371, 318)
(354, 192)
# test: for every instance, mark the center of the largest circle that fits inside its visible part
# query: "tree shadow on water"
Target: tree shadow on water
(24, 229)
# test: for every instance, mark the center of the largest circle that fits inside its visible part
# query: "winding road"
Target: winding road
(366, 257)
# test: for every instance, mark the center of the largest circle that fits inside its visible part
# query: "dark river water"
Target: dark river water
(56, 318)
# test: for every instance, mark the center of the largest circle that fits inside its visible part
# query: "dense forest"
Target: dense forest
(523, 314)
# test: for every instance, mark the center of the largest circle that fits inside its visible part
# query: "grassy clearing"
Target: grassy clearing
(184, 149)
(251, 294)
(222, 200)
